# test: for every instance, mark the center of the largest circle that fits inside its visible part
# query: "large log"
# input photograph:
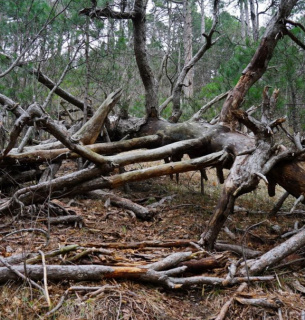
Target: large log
(77, 183)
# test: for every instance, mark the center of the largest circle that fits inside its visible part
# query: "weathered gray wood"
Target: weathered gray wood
(75, 183)
(140, 211)
(276, 254)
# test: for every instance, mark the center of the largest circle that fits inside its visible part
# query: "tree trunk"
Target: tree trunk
(258, 65)
(202, 9)
(254, 21)
(147, 76)
(188, 88)
(242, 19)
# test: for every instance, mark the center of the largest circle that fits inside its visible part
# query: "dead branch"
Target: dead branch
(259, 63)
(276, 254)
(45, 279)
(294, 39)
(43, 79)
(29, 195)
(213, 262)
(38, 154)
(198, 114)
(18, 258)
(86, 252)
(297, 201)
(54, 253)
(19, 274)
(141, 245)
(170, 261)
(165, 104)
(261, 302)
(92, 128)
(189, 281)
(279, 204)
(65, 219)
(140, 211)
(79, 288)
(249, 253)
(45, 234)
(223, 311)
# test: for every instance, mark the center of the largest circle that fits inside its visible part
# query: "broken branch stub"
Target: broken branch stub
(92, 128)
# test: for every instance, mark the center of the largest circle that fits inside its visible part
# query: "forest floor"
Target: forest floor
(182, 215)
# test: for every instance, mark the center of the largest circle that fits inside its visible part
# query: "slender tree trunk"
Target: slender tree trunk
(247, 18)
(242, 20)
(87, 81)
(202, 7)
(294, 109)
(188, 88)
(254, 21)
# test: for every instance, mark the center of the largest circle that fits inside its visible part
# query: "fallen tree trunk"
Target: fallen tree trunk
(49, 155)
(97, 273)
(75, 183)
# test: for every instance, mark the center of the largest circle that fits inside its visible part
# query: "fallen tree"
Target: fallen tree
(250, 157)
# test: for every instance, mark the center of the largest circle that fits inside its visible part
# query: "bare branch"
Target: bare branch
(30, 44)
(295, 39)
(296, 24)
(43, 79)
(203, 109)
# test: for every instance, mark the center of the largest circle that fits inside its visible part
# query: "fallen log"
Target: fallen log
(35, 155)
(97, 273)
(75, 183)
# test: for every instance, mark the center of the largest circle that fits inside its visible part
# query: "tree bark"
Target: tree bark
(253, 15)
(258, 64)
(147, 76)
(188, 88)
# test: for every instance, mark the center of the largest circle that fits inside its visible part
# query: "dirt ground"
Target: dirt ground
(182, 214)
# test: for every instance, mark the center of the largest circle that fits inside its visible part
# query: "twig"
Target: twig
(297, 201)
(45, 233)
(242, 243)
(279, 204)
(99, 291)
(54, 253)
(45, 280)
(87, 252)
(291, 233)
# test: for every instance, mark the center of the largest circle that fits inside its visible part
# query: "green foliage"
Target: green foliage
(112, 63)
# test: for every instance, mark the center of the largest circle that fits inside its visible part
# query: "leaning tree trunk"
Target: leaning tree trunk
(258, 65)
(248, 169)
